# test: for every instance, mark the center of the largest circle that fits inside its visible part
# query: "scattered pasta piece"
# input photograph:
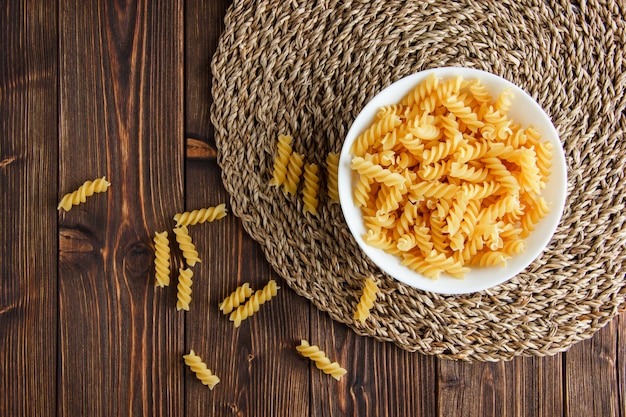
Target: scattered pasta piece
(162, 259)
(236, 298)
(446, 180)
(321, 361)
(283, 153)
(332, 167)
(186, 245)
(208, 214)
(203, 373)
(252, 305)
(183, 297)
(370, 291)
(88, 189)
(309, 192)
(294, 171)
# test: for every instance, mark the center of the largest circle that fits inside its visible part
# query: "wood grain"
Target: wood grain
(28, 219)
(382, 380)
(520, 387)
(204, 24)
(121, 116)
(256, 362)
(591, 375)
(199, 150)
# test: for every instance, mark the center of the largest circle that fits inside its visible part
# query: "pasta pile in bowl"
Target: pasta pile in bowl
(452, 180)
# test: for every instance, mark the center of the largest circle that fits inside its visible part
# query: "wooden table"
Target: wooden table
(122, 89)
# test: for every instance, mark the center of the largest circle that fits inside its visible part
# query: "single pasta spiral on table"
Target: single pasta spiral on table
(186, 245)
(332, 166)
(236, 298)
(252, 305)
(203, 373)
(321, 360)
(283, 150)
(88, 189)
(183, 297)
(209, 214)
(366, 302)
(162, 259)
(309, 192)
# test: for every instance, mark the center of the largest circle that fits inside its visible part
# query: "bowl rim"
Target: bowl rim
(479, 278)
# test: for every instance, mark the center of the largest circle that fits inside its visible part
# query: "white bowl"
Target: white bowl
(525, 111)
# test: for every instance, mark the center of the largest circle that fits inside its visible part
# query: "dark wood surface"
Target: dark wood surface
(122, 89)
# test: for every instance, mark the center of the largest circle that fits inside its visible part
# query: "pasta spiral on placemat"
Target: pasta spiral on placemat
(307, 72)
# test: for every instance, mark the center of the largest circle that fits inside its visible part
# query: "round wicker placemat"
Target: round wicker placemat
(306, 68)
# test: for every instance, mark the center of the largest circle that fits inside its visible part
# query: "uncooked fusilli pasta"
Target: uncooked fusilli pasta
(204, 374)
(202, 215)
(162, 259)
(283, 153)
(294, 171)
(320, 359)
(454, 183)
(252, 305)
(236, 298)
(186, 245)
(88, 189)
(366, 302)
(183, 296)
(378, 173)
(310, 190)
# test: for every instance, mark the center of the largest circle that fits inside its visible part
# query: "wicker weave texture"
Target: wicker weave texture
(307, 68)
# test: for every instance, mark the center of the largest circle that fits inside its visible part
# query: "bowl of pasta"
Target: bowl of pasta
(452, 180)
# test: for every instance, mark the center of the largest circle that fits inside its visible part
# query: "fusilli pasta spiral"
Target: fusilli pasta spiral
(294, 171)
(183, 296)
(252, 305)
(321, 360)
(376, 131)
(366, 302)
(204, 374)
(209, 214)
(88, 189)
(236, 298)
(422, 90)
(376, 172)
(186, 245)
(162, 259)
(283, 153)
(310, 190)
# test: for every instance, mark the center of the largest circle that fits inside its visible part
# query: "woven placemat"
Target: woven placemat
(307, 69)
